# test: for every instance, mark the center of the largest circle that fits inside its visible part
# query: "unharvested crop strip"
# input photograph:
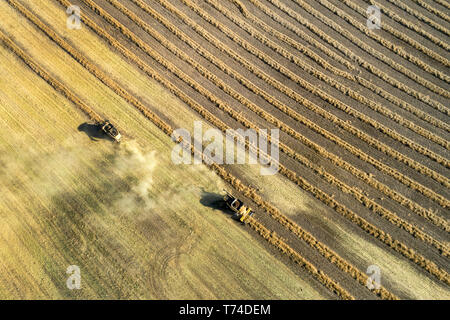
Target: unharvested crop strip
(334, 159)
(398, 34)
(407, 24)
(369, 228)
(336, 84)
(367, 84)
(373, 69)
(236, 183)
(345, 125)
(402, 5)
(389, 45)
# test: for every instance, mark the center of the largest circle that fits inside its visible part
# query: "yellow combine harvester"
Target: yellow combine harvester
(240, 211)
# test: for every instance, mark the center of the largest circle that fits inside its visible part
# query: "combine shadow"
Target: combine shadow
(214, 201)
(94, 132)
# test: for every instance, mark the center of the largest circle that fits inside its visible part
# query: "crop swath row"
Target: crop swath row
(399, 35)
(346, 126)
(389, 45)
(420, 16)
(324, 197)
(433, 10)
(371, 68)
(337, 85)
(409, 25)
(374, 88)
(356, 193)
(250, 192)
(336, 160)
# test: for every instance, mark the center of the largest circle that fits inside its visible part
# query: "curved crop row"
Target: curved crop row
(377, 233)
(301, 48)
(396, 33)
(273, 239)
(409, 25)
(391, 217)
(389, 45)
(58, 86)
(374, 88)
(402, 5)
(268, 235)
(233, 181)
(334, 159)
(343, 124)
(283, 170)
(383, 75)
(337, 85)
(433, 10)
(443, 3)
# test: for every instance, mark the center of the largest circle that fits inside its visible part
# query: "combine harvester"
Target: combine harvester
(110, 130)
(241, 212)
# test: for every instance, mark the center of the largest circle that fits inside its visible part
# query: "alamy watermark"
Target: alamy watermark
(234, 141)
(374, 279)
(74, 19)
(373, 17)
(74, 280)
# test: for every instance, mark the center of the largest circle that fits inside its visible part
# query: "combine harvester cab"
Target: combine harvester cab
(109, 129)
(241, 212)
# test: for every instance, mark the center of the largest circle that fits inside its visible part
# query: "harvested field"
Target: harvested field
(362, 176)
